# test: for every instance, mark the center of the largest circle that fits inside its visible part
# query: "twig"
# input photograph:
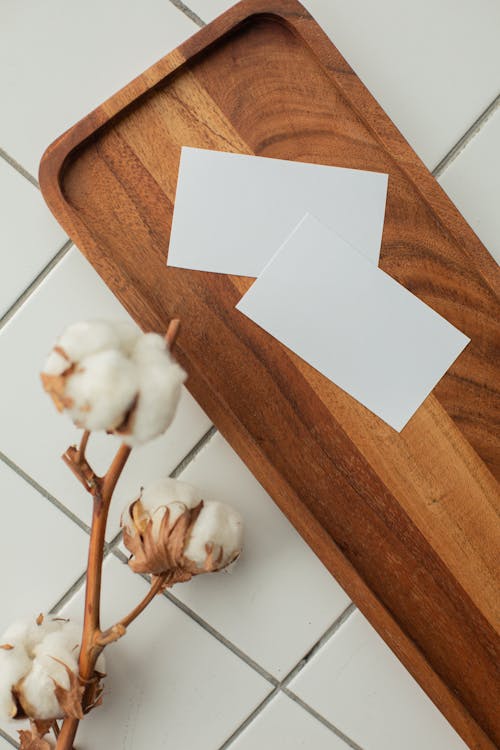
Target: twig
(157, 585)
(117, 631)
(80, 454)
(172, 332)
(82, 469)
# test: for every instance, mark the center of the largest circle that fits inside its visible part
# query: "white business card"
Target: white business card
(352, 322)
(232, 210)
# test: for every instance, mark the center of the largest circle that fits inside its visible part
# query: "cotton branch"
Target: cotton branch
(102, 488)
(107, 376)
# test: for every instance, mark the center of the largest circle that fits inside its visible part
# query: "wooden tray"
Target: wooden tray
(405, 522)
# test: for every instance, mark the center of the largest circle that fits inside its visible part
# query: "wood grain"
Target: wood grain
(408, 523)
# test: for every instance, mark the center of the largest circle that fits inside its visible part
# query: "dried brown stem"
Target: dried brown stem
(80, 454)
(67, 734)
(81, 469)
(117, 631)
(172, 332)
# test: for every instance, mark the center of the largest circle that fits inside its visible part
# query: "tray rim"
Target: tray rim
(296, 18)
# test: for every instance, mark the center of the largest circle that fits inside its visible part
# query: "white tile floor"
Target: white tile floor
(27, 246)
(224, 659)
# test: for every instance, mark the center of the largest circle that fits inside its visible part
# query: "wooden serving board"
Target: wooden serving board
(407, 522)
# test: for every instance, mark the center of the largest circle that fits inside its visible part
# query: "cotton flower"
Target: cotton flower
(38, 664)
(109, 376)
(171, 529)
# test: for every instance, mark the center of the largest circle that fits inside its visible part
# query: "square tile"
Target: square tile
(473, 182)
(279, 599)
(29, 235)
(434, 92)
(34, 435)
(4, 745)
(358, 684)
(43, 552)
(169, 683)
(61, 58)
(283, 723)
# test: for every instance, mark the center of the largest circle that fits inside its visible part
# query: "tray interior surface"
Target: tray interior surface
(387, 500)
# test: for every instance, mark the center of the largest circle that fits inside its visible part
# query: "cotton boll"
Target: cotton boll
(155, 498)
(37, 690)
(82, 339)
(109, 376)
(56, 363)
(149, 345)
(160, 392)
(160, 380)
(171, 531)
(14, 664)
(18, 632)
(37, 696)
(219, 527)
(101, 390)
(30, 632)
(127, 335)
(41, 651)
(168, 491)
(63, 644)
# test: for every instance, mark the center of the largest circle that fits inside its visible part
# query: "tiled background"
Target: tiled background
(272, 654)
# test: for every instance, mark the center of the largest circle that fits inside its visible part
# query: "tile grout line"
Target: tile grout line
(188, 12)
(193, 453)
(8, 738)
(26, 294)
(19, 168)
(329, 633)
(54, 610)
(466, 138)
(338, 732)
(320, 643)
(249, 720)
(45, 493)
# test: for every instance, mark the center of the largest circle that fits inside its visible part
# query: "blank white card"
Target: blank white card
(232, 210)
(353, 322)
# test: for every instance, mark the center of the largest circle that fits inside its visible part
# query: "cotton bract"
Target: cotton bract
(171, 529)
(109, 376)
(35, 656)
